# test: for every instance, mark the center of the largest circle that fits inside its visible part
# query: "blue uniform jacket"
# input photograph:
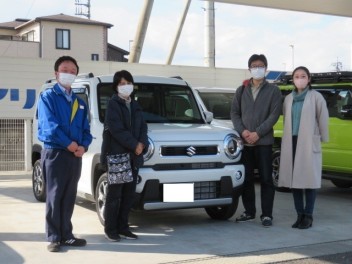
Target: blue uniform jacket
(55, 128)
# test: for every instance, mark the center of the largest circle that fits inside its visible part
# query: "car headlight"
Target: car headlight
(150, 150)
(233, 146)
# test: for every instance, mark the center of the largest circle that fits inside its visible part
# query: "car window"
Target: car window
(218, 103)
(167, 103)
(161, 103)
(343, 102)
(337, 98)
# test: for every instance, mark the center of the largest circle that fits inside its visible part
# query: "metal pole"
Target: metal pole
(209, 49)
(293, 56)
(141, 32)
(178, 33)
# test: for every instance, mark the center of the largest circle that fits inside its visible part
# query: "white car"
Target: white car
(184, 148)
(218, 101)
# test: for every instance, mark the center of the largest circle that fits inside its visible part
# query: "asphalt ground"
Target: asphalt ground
(179, 236)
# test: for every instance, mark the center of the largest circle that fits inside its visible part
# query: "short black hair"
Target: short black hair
(260, 57)
(65, 58)
(121, 75)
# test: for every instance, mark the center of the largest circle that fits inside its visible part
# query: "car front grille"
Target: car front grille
(188, 166)
(206, 190)
(189, 150)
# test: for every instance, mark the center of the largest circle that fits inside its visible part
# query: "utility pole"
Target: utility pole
(79, 10)
(337, 65)
(293, 56)
(209, 33)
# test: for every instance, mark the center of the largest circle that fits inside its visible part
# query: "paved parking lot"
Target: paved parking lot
(178, 236)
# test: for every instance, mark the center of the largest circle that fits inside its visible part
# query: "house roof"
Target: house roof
(13, 24)
(72, 19)
(65, 19)
(125, 52)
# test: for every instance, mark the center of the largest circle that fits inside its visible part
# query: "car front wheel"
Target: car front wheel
(342, 183)
(100, 197)
(223, 212)
(275, 175)
(38, 182)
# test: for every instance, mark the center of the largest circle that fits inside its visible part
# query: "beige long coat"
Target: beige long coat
(313, 129)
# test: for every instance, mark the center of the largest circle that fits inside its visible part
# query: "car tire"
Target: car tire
(38, 182)
(223, 212)
(100, 197)
(275, 174)
(342, 183)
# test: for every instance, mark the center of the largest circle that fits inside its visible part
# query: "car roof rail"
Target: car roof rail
(85, 75)
(322, 77)
(177, 77)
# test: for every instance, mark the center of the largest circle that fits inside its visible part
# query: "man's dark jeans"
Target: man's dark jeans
(258, 157)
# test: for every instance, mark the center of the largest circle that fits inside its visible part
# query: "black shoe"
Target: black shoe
(267, 221)
(244, 218)
(128, 235)
(307, 222)
(54, 247)
(113, 237)
(74, 242)
(298, 221)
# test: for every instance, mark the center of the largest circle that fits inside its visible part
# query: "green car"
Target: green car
(336, 87)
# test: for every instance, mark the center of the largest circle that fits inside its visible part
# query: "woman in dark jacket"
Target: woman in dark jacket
(127, 133)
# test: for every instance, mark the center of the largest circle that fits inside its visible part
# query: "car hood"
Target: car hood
(222, 123)
(187, 132)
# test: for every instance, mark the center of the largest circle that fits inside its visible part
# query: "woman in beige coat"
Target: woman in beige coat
(305, 127)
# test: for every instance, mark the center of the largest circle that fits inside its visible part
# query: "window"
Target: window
(218, 103)
(160, 102)
(63, 39)
(29, 36)
(95, 57)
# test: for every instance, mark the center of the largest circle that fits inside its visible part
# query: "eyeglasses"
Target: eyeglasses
(257, 66)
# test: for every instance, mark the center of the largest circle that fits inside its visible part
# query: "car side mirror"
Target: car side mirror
(346, 111)
(208, 116)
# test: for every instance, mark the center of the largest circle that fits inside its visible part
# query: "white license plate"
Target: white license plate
(178, 192)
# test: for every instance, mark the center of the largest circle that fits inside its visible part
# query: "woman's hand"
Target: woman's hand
(139, 149)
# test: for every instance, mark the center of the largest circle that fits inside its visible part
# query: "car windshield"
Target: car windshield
(161, 103)
(218, 103)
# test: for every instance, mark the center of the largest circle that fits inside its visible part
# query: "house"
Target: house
(49, 37)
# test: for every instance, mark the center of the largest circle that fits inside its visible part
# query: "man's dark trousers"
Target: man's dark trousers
(61, 170)
(258, 157)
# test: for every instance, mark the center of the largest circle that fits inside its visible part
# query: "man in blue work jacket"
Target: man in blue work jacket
(64, 129)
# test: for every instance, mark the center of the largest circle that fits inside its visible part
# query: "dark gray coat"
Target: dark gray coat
(257, 116)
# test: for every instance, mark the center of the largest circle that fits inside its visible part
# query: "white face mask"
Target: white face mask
(66, 79)
(258, 73)
(125, 90)
(300, 83)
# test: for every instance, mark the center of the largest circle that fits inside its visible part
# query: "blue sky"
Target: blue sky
(319, 40)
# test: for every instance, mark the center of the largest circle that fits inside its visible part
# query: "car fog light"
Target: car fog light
(238, 175)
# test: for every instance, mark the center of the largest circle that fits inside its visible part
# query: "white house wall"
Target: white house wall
(24, 49)
(82, 44)
(7, 32)
(32, 27)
